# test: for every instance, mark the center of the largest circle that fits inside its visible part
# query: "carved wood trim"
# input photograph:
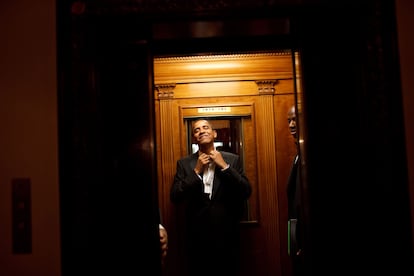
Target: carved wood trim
(266, 149)
(266, 86)
(223, 68)
(164, 91)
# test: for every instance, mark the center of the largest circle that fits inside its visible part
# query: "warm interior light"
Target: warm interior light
(213, 65)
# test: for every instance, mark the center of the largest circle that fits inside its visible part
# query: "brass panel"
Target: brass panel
(214, 110)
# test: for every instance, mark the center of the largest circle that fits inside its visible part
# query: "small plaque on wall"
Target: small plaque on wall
(21, 216)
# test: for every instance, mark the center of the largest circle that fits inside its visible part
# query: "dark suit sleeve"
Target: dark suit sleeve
(186, 182)
(236, 176)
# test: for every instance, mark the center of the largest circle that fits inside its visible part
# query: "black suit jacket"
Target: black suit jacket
(295, 209)
(212, 223)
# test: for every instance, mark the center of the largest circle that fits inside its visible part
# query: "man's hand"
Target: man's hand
(217, 158)
(202, 161)
(163, 243)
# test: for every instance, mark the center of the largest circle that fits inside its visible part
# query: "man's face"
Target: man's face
(203, 132)
(292, 122)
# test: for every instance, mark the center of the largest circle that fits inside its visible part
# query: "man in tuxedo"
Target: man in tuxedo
(213, 188)
(295, 212)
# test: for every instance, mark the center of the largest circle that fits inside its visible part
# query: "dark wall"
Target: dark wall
(357, 172)
(107, 150)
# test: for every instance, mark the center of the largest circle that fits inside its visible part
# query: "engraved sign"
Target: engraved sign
(214, 109)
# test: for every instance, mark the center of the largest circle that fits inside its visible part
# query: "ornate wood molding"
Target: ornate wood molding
(266, 86)
(165, 91)
(224, 68)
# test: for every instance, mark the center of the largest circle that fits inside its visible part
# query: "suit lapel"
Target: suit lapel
(216, 183)
(193, 160)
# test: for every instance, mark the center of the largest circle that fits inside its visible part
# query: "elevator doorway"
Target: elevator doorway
(249, 95)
